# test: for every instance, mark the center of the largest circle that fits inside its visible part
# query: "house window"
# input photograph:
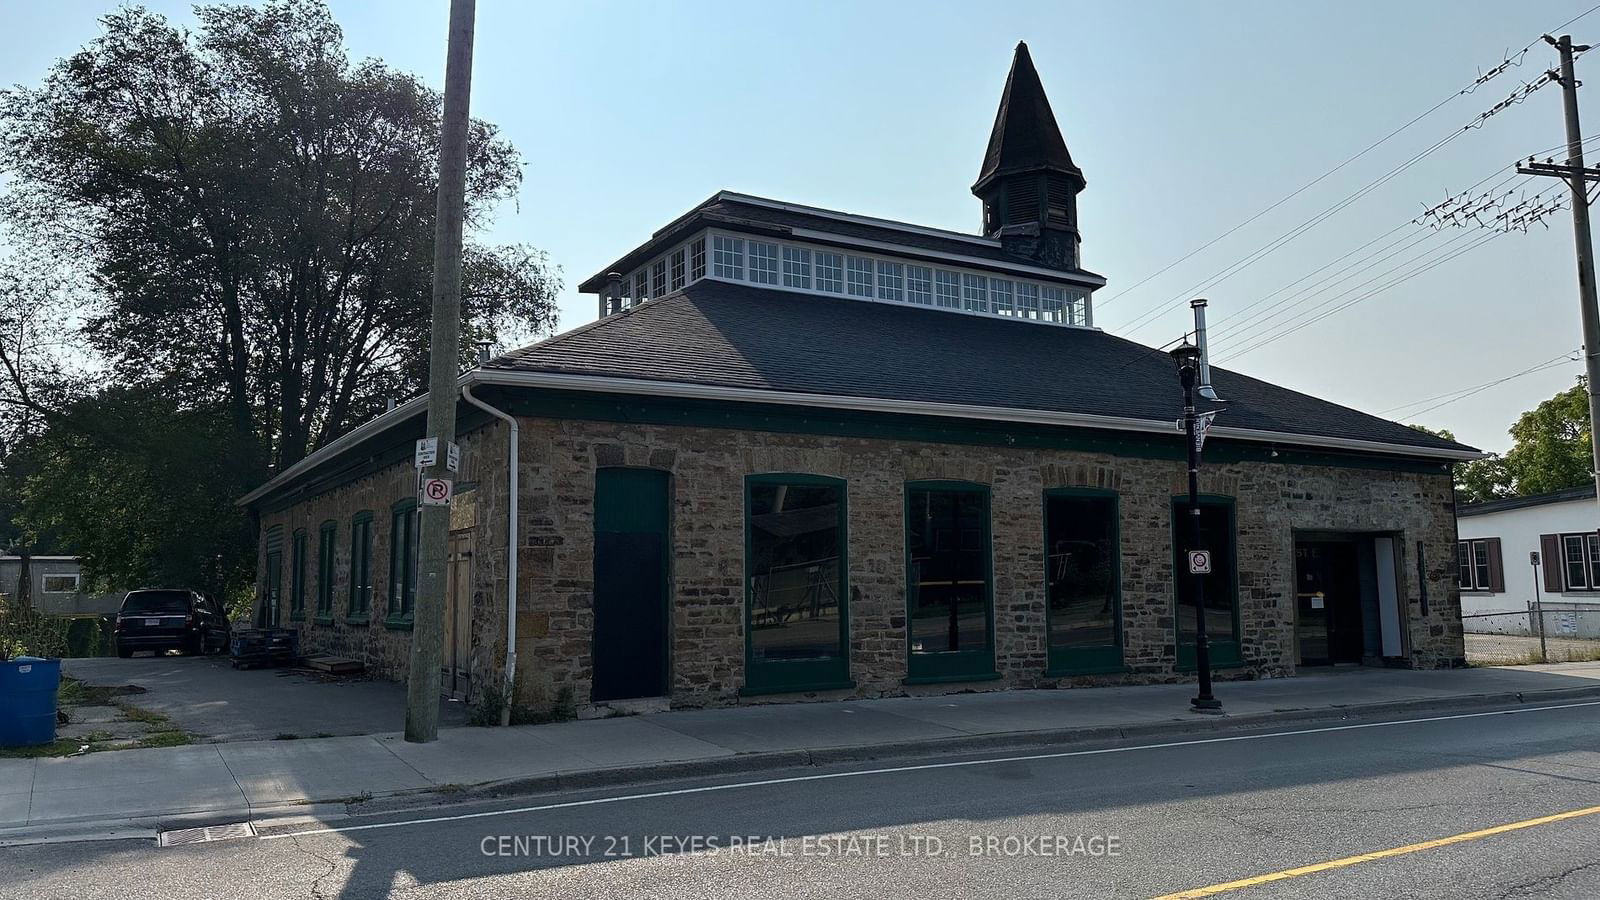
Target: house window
(727, 257)
(360, 568)
(1083, 580)
(830, 272)
(697, 259)
(641, 287)
(975, 292)
(1217, 534)
(678, 268)
(1053, 303)
(948, 589)
(763, 262)
(403, 561)
(1077, 307)
(60, 584)
(795, 578)
(326, 542)
(891, 280)
(919, 285)
(1002, 296)
(947, 289)
(859, 269)
(1580, 559)
(658, 278)
(297, 576)
(1478, 562)
(1028, 300)
(796, 267)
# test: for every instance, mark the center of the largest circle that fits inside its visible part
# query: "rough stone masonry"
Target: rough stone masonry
(559, 458)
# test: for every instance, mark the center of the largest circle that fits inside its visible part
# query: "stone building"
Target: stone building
(805, 454)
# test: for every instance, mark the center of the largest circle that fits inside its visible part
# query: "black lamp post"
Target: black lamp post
(1187, 357)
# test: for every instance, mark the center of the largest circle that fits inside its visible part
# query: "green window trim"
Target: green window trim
(297, 577)
(1225, 649)
(1086, 660)
(799, 675)
(359, 611)
(327, 547)
(960, 665)
(404, 525)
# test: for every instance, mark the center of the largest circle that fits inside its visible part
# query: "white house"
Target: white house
(1511, 551)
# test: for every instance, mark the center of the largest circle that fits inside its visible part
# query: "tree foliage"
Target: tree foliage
(237, 226)
(1551, 452)
(257, 213)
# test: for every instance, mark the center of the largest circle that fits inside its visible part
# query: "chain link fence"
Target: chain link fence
(1502, 639)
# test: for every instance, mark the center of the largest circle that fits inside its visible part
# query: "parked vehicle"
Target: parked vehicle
(170, 619)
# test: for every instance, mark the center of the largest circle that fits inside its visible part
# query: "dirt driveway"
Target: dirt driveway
(211, 700)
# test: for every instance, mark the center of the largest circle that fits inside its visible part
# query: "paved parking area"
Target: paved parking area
(210, 699)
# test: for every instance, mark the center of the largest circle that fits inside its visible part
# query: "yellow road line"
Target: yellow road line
(1377, 854)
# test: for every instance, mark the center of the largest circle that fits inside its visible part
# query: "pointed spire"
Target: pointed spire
(1025, 136)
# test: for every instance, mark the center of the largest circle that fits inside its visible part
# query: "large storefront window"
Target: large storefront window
(1217, 533)
(796, 616)
(1083, 580)
(948, 589)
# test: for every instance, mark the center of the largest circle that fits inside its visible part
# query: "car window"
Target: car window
(156, 603)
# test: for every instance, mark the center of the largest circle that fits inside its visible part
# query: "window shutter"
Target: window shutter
(1550, 558)
(1497, 571)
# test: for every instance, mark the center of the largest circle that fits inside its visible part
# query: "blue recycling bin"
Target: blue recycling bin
(28, 701)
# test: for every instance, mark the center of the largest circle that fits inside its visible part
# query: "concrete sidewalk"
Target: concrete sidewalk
(138, 788)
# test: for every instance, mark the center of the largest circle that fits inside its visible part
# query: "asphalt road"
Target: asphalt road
(1119, 821)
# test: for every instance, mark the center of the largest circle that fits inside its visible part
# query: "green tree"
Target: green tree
(1552, 449)
(256, 212)
(237, 227)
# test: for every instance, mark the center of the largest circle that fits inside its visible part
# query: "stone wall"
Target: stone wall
(385, 649)
(1273, 501)
(555, 553)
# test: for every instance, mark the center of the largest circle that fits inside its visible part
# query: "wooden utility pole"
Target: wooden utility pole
(1578, 178)
(444, 363)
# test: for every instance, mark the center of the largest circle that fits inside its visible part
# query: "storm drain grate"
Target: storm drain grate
(178, 837)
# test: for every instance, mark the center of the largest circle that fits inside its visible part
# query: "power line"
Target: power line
(1466, 391)
(1374, 292)
(1146, 318)
(1484, 387)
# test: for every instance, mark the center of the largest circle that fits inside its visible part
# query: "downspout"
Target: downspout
(511, 545)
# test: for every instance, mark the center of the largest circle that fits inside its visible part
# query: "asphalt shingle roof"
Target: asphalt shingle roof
(741, 336)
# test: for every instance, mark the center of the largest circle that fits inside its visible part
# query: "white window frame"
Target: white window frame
(680, 267)
(761, 258)
(835, 271)
(44, 582)
(697, 258)
(727, 257)
(858, 271)
(796, 267)
(919, 284)
(1589, 558)
(1473, 555)
(658, 278)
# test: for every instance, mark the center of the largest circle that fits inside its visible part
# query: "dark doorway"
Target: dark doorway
(1329, 593)
(631, 512)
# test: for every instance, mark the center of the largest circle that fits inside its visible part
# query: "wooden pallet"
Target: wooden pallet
(335, 665)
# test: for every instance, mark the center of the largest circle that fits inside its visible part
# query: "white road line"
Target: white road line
(795, 779)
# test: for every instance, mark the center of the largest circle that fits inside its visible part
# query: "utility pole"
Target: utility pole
(444, 362)
(1578, 177)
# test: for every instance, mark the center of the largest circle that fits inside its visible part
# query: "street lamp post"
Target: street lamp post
(1187, 357)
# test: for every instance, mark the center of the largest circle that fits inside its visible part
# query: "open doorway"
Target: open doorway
(1346, 599)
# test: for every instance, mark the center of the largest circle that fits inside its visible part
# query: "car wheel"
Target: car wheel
(195, 646)
(124, 652)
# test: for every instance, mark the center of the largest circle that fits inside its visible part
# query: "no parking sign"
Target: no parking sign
(436, 491)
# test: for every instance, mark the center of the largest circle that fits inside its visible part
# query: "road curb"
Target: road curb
(746, 763)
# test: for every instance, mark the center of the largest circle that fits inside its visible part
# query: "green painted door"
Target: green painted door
(631, 600)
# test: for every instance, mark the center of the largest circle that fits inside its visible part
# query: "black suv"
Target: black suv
(162, 620)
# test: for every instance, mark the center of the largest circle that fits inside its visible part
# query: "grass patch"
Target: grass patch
(166, 739)
(58, 747)
(135, 714)
(73, 692)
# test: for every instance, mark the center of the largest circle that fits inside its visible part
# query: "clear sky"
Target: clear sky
(1187, 118)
